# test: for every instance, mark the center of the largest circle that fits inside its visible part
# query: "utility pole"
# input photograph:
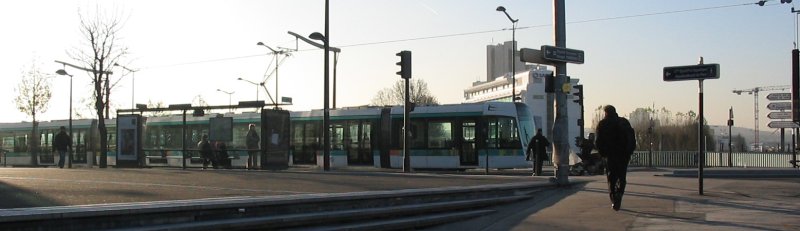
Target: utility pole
(560, 139)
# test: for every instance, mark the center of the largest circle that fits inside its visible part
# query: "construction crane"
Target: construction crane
(754, 92)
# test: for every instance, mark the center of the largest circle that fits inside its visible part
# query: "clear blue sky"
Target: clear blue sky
(624, 55)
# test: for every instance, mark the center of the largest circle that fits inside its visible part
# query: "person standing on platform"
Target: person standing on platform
(616, 142)
(62, 142)
(537, 149)
(252, 146)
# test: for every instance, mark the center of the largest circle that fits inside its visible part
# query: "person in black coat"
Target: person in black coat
(538, 145)
(62, 142)
(614, 144)
(206, 152)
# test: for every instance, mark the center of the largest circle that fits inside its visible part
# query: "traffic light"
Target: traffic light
(405, 64)
(578, 94)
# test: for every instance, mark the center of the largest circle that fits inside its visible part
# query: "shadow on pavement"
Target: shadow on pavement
(14, 197)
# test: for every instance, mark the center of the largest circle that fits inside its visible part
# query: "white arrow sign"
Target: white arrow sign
(780, 106)
(780, 115)
(782, 124)
(779, 96)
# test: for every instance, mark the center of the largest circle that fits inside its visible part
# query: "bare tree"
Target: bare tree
(33, 96)
(395, 95)
(159, 104)
(98, 52)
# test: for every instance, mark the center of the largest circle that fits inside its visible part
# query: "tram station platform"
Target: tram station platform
(653, 201)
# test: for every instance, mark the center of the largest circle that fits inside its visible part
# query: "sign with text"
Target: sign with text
(779, 106)
(782, 124)
(560, 54)
(780, 115)
(691, 72)
(779, 96)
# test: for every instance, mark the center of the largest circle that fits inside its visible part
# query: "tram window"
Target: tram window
(469, 131)
(8, 142)
(503, 133)
(440, 135)
(22, 143)
(417, 134)
(366, 133)
(337, 136)
(297, 134)
(312, 134)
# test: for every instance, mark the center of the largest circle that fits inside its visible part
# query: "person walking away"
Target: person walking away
(252, 146)
(616, 143)
(538, 145)
(206, 152)
(62, 142)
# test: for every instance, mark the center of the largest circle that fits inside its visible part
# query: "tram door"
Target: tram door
(468, 153)
(358, 142)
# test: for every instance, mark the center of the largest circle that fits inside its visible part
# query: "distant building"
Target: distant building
(530, 90)
(498, 61)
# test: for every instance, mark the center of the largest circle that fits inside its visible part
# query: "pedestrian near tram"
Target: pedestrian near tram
(537, 150)
(616, 142)
(252, 146)
(62, 142)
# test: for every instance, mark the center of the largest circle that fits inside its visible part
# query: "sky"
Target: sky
(183, 49)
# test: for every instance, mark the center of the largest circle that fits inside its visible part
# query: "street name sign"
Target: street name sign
(533, 56)
(780, 106)
(782, 124)
(779, 96)
(691, 72)
(560, 54)
(780, 115)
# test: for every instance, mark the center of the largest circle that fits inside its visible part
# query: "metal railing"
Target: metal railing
(688, 159)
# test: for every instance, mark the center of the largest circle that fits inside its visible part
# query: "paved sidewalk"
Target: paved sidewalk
(670, 203)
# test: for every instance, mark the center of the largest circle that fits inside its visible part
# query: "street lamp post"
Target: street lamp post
(254, 83)
(229, 98)
(133, 78)
(64, 72)
(326, 109)
(335, 51)
(513, 53)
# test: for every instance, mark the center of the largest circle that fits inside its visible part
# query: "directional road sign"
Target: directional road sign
(780, 106)
(782, 124)
(560, 54)
(779, 96)
(691, 72)
(780, 115)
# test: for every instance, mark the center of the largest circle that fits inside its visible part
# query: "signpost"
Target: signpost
(561, 54)
(780, 115)
(779, 96)
(698, 72)
(779, 106)
(692, 72)
(782, 124)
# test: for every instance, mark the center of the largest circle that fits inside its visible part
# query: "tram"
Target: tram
(15, 139)
(455, 136)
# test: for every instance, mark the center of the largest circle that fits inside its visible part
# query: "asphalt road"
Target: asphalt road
(37, 187)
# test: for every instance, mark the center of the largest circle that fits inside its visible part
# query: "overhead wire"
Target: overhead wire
(470, 33)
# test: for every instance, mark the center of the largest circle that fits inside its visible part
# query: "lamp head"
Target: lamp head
(240, 78)
(317, 36)
(501, 8)
(259, 44)
(62, 72)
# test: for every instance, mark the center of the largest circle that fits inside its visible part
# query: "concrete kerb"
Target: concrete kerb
(116, 209)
